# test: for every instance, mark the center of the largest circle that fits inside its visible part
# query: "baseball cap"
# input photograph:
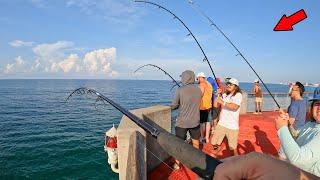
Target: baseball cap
(233, 81)
(201, 74)
(316, 94)
(256, 81)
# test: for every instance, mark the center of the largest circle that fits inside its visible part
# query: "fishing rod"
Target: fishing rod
(190, 33)
(197, 8)
(200, 163)
(165, 72)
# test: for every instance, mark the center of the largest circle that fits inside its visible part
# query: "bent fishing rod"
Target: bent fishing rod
(197, 8)
(190, 33)
(159, 68)
(199, 162)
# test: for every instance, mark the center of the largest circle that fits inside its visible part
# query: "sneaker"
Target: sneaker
(255, 113)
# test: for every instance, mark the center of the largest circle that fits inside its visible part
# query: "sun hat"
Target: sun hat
(233, 81)
(316, 95)
(201, 74)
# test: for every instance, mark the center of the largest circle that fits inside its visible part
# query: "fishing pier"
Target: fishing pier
(141, 157)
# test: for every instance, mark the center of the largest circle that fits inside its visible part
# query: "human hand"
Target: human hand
(258, 166)
(219, 91)
(219, 100)
(282, 120)
(291, 121)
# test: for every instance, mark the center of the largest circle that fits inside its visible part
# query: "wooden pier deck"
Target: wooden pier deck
(257, 133)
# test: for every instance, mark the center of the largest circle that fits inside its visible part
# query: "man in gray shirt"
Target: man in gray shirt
(187, 99)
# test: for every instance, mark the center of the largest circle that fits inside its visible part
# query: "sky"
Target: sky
(109, 39)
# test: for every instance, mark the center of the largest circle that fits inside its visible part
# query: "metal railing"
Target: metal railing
(269, 105)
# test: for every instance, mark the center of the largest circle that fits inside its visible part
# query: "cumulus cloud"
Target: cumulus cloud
(56, 58)
(17, 66)
(69, 63)
(19, 43)
(99, 60)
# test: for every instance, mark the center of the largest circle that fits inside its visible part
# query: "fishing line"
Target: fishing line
(197, 8)
(190, 33)
(200, 163)
(159, 68)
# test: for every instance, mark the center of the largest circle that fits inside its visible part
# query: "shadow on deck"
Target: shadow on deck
(257, 133)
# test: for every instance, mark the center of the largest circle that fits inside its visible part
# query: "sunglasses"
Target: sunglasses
(229, 84)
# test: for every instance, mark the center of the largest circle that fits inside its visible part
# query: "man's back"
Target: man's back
(187, 99)
(189, 114)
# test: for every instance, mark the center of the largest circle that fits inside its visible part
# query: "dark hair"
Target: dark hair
(301, 87)
(238, 90)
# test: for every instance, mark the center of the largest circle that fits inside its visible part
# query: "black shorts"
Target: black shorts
(182, 132)
(204, 115)
(215, 112)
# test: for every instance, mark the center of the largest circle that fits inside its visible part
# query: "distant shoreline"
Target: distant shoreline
(109, 80)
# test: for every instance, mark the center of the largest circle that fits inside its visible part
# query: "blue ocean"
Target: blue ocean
(43, 137)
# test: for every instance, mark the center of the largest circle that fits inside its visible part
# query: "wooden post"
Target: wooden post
(136, 164)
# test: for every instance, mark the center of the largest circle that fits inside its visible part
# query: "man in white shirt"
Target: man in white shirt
(229, 117)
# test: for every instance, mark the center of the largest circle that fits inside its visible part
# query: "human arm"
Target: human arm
(296, 154)
(176, 100)
(234, 105)
(202, 89)
(258, 166)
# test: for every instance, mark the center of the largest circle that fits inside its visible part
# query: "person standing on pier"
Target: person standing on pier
(258, 97)
(228, 124)
(187, 99)
(205, 107)
(298, 107)
(302, 152)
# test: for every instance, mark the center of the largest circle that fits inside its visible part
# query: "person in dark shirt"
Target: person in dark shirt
(187, 99)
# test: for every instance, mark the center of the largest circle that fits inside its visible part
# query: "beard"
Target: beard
(228, 92)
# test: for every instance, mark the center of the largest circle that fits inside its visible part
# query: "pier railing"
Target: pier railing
(269, 105)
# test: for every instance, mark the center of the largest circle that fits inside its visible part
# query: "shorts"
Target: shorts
(215, 112)
(182, 132)
(220, 132)
(204, 115)
(258, 100)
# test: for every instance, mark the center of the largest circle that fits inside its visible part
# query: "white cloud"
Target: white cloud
(52, 50)
(17, 66)
(19, 43)
(55, 58)
(99, 60)
(69, 63)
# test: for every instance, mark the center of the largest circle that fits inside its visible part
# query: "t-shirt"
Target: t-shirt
(230, 118)
(298, 110)
(187, 99)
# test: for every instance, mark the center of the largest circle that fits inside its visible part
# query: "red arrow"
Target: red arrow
(286, 23)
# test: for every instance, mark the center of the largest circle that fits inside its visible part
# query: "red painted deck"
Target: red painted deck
(257, 133)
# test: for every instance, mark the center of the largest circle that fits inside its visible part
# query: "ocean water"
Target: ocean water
(43, 137)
